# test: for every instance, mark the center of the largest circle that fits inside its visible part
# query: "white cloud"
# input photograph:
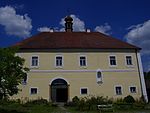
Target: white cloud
(14, 24)
(140, 35)
(106, 28)
(78, 25)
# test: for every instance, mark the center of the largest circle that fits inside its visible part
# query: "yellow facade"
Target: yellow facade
(78, 77)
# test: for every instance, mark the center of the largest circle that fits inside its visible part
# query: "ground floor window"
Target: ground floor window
(33, 91)
(83, 91)
(132, 89)
(118, 90)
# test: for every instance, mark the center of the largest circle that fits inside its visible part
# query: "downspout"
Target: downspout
(141, 75)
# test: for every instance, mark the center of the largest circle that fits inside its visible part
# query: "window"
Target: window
(83, 91)
(113, 60)
(83, 61)
(99, 77)
(118, 90)
(128, 60)
(33, 91)
(59, 61)
(24, 81)
(35, 61)
(133, 89)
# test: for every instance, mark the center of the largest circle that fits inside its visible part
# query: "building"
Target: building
(67, 64)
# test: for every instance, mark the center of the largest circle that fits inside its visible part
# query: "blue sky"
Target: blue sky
(128, 20)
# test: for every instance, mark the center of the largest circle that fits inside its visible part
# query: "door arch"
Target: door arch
(59, 90)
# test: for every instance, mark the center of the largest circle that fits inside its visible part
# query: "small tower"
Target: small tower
(68, 24)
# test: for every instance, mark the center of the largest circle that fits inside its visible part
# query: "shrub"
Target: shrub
(75, 100)
(38, 101)
(129, 99)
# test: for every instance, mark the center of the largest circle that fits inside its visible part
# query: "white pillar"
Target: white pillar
(144, 93)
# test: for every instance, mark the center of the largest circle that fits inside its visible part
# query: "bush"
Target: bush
(129, 99)
(75, 100)
(89, 102)
(37, 102)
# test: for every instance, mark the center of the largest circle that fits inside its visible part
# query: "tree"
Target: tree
(147, 75)
(12, 72)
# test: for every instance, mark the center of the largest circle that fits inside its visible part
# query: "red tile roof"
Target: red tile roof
(73, 40)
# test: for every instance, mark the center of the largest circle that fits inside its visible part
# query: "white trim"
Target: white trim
(135, 88)
(62, 61)
(76, 71)
(36, 88)
(84, 88)
(86, 64)
(132, 65)
(58, 78)
(144, 92)
(115, 60)
(31, 61)
(115, 89)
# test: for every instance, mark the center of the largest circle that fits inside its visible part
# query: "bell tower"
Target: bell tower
(68, 24)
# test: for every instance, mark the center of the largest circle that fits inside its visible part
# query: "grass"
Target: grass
(14, 107)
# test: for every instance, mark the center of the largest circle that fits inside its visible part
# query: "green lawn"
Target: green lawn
(48, 108)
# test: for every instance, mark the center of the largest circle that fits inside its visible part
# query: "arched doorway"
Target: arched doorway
(59, 90)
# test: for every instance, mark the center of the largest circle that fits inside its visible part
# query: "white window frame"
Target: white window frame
(85, 60)
(62, 61)
(135, 88)
(99, 80)
(132, 65)
(121, 89)
(31, 61)
(115, 60)
(36, 88)
(84, 88)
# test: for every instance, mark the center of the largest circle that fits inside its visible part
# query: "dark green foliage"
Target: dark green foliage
(90, 102)
(147, 75)
(75, 100)
(38, 102)
(12, 72)
(129, 99)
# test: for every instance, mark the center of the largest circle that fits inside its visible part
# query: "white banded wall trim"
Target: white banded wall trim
(70, 71)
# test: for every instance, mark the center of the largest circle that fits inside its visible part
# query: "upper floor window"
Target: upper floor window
(83, 61)
(128, 60)
(35, 61)
(59, 61)
(118, 90)
(99, 77)
(112, 60)
(24, 81)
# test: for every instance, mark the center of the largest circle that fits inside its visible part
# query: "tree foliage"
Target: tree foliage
(12, 72)
(147, 75)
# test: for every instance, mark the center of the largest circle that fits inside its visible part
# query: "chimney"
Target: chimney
(88, 30)
(68, 24)
(51, 30)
